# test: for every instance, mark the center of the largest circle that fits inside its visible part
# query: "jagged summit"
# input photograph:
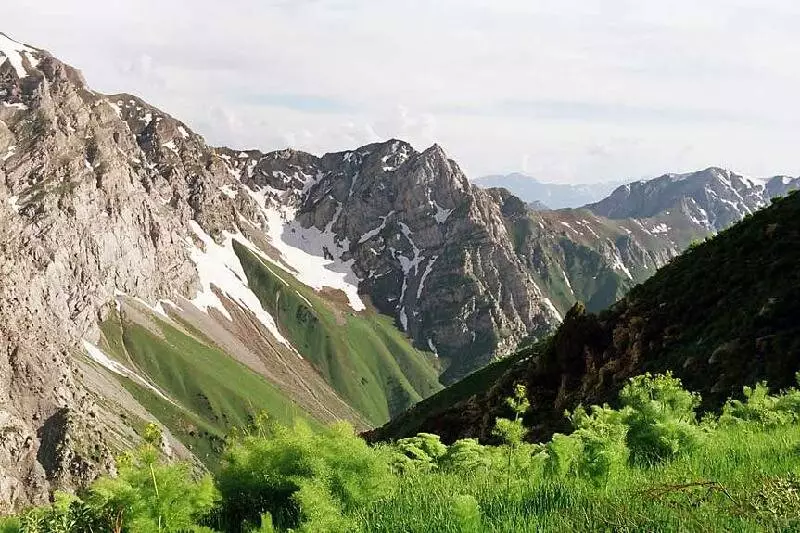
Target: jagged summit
(713, 198)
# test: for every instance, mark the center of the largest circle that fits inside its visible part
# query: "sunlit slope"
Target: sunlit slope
(370, 363)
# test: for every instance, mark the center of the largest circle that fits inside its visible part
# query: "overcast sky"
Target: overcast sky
(565, 90)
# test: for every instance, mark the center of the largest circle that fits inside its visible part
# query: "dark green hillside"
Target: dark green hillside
(724, 314)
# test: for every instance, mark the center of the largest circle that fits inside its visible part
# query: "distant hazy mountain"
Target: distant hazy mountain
(553, 195)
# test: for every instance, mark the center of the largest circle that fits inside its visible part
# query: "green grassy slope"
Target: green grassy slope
(213, 392)
(363, 356)
(722, 315)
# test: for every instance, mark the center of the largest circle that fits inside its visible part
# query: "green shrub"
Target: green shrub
(422, 452)
(305, 480)
(9, 524)
(67, 514)
(467, 513)
(148, 495)
(602, 435)
(151, 495)
(466, 455)
(562, 455)
(762, 409)
(660, 416)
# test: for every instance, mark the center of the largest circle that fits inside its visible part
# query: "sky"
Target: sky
(568, 91)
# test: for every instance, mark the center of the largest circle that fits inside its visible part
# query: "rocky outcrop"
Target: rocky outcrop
(105, 195)
(83, 213)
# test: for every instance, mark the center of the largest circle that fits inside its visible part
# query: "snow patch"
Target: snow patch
(115, 108)
(373, 232)
(228, 191)
(170, 146)
(183, 132)
(660, 228)
(315, 255)
(566, 224)
(441, 214)
(549, 304)
(399, 155)
(619, 265)
(18, 105)
(9, 152)
(425, 274)
(404, 319)
(97, 355)
(305, 300)
(413, 263)
(12, 201)
(433, 347)
(219, 266)
(15, 51)
(566, 280)
(158, 308)
(585, 223)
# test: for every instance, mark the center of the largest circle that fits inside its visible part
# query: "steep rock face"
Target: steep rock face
(577, 256)
(117, 231)
(99, 197)
(781, 185)
(425, 246)
(76, 223)
(113, 212)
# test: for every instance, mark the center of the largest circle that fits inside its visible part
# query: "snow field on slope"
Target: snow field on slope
(219, 266)
(304, 251)
(14, 52)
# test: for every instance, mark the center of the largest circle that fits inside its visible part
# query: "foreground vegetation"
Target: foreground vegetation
(648, 466)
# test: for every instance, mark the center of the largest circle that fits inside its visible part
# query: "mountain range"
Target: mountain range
(548, 195)
(147, 276)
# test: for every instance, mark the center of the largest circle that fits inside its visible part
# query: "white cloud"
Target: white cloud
(574, 90)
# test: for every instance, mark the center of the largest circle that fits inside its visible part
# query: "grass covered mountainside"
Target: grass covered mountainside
(722, 315)
(366, 359)
(589, 430)
(205, 392)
